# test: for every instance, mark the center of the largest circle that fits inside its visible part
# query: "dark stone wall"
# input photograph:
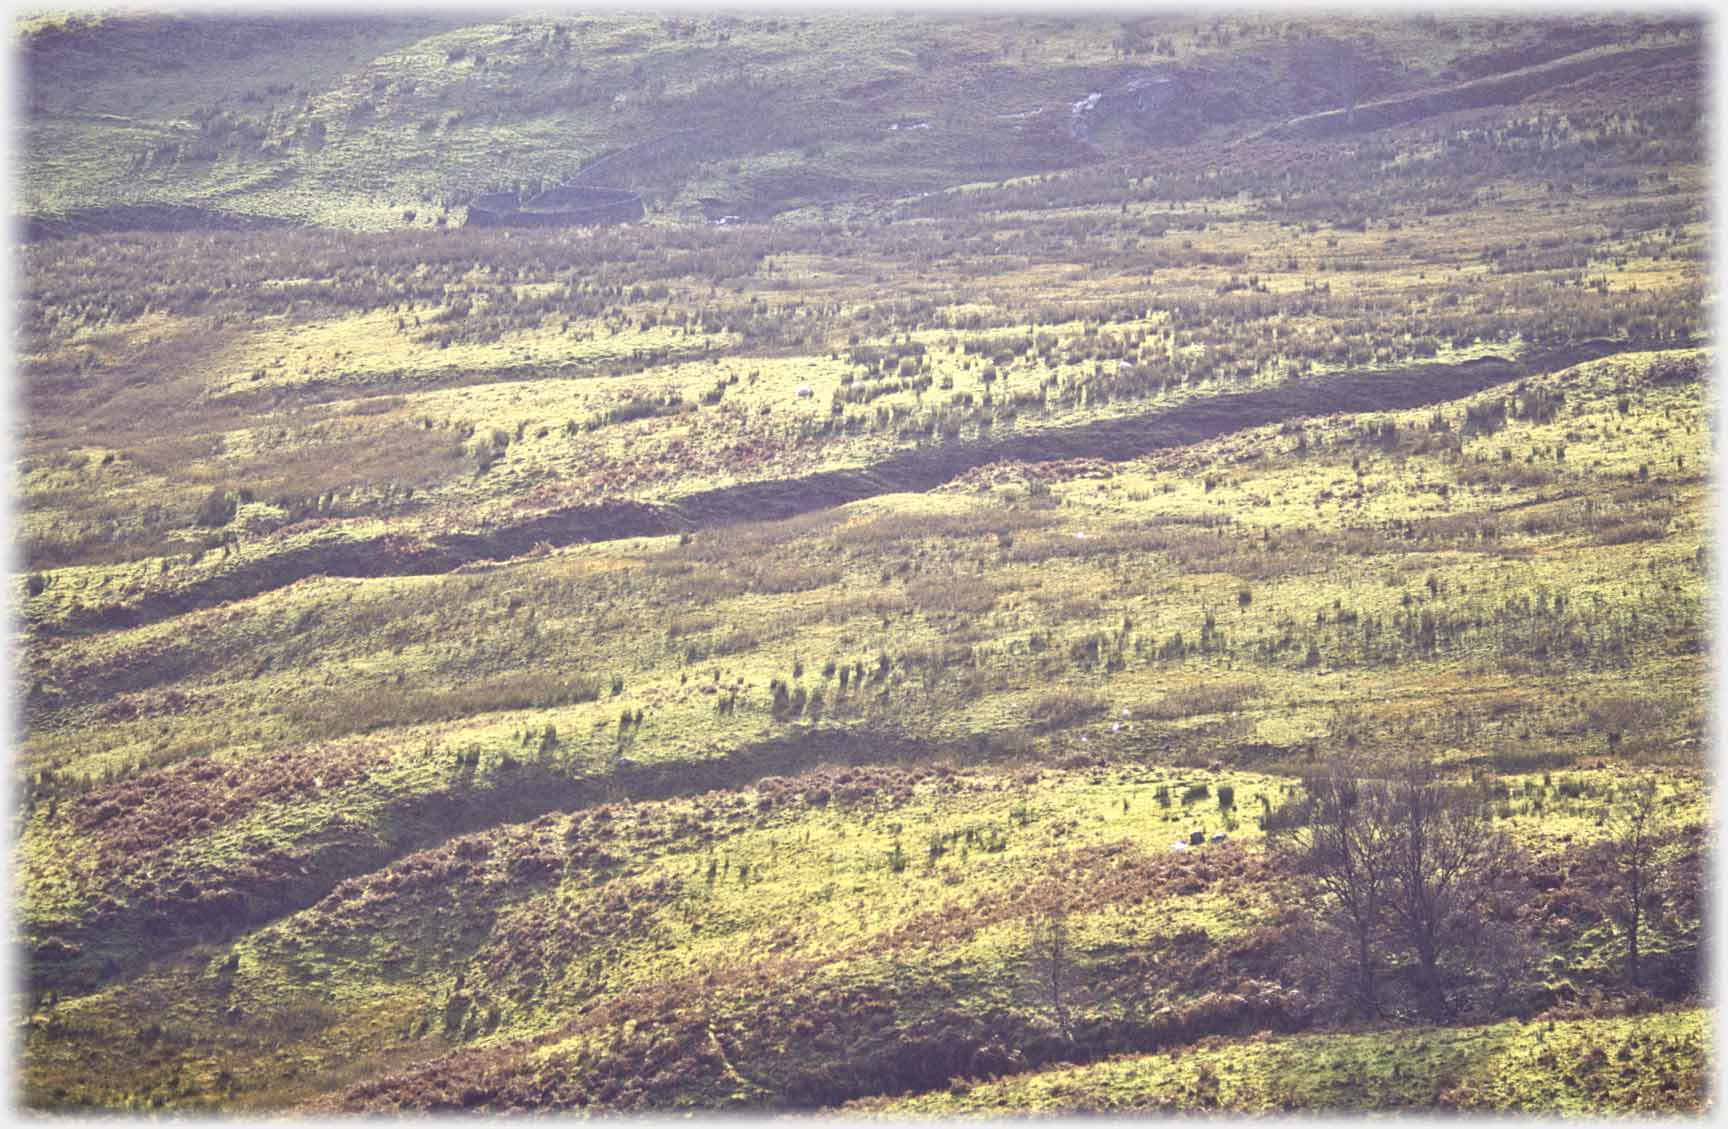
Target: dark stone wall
(496, 201)
(486, 217)
(564, 205)
(579, 196)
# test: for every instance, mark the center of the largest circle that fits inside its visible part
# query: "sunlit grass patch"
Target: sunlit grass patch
(1643, 1064)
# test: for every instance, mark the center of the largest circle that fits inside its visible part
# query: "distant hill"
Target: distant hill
(356, 122)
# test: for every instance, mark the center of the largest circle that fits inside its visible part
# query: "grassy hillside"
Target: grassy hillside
(884, 655)
(321, 730)
(353, 122)
(1643, 1065)
(846, 933)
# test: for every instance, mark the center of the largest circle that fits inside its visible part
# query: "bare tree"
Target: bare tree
(1443, 861)
(1343, 848)
(1635, 836)
(1404, 871)
(1049, 954)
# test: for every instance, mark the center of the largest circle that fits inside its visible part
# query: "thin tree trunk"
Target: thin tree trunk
(1632, 943)
(1368, 989)
(1428, 979)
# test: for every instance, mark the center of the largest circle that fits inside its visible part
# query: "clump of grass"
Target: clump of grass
(364, 709)
(1205, 698)
(951, 595)
(1060, 709)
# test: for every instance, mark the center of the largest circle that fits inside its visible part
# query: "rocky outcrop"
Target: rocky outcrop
(1148, 108)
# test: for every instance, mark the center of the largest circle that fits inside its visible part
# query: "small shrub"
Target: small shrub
(217, 510)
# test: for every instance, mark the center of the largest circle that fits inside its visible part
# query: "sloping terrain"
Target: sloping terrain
(355, 122)
(885, 655)
(1645, 1066)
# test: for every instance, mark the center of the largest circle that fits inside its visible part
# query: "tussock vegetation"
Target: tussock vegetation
(890, 529)
(925, 643)
(1641, 1065)
(1064, 708)
(367, 708)
(1207, 698)
(950, 596)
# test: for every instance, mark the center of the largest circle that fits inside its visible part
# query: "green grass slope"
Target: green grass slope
(850, 932)
(1642, 1065)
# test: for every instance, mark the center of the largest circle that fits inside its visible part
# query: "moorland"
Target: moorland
(1063, 564)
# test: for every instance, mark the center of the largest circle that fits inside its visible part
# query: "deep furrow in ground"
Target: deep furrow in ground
(146, 928)
(145, 217)
(912, 471)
